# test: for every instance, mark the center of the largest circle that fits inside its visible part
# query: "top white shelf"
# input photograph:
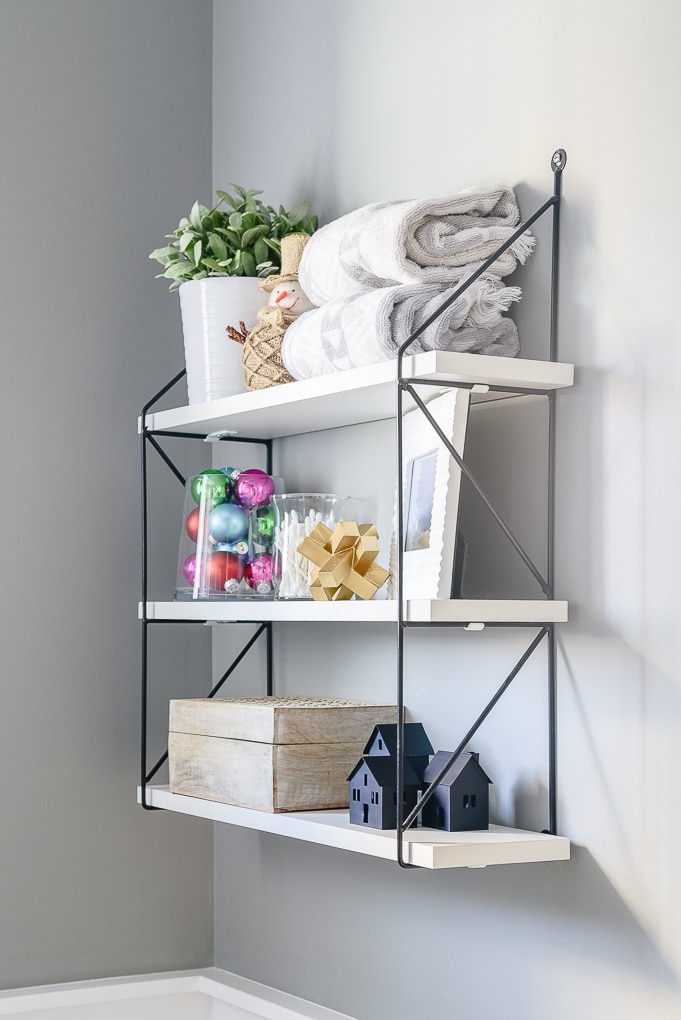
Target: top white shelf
(357, 395)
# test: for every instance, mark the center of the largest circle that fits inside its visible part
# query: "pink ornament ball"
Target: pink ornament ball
(259, 573)
(189, 569)
(253, 488)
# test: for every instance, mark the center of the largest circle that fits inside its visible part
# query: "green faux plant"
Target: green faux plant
(240, 236)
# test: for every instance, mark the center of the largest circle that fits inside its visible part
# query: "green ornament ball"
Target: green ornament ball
(263, 525)
(217, 486)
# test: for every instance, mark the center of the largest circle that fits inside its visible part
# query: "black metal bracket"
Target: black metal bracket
(148, 438)
(406, 385)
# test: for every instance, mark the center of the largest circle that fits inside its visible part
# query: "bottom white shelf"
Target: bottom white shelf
(427, 848)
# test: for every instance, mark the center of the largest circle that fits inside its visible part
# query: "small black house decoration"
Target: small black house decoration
(460, 801)
(373, 792)
(373, 781)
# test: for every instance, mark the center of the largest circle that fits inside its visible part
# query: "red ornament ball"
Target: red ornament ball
(192, 524)
(221, 567)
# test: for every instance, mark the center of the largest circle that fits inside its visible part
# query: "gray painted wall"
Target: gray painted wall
(365, 101)
(105, 134)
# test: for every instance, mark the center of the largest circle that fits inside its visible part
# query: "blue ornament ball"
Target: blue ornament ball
(228, 523)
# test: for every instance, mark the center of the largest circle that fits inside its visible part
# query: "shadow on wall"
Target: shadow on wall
(589, 901)
(530, 799)
(534, 924)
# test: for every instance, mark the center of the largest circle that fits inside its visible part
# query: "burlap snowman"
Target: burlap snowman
(261, 357)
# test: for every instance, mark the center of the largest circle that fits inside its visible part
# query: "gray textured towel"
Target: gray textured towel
(363, 329)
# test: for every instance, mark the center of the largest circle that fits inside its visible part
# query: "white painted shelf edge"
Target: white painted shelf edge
(463, 611)
(427, 848)
(354, 396)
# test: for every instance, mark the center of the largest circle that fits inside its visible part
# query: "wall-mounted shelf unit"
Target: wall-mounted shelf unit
(378, 392)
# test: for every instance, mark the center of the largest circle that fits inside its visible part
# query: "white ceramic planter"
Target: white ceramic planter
(213, 360)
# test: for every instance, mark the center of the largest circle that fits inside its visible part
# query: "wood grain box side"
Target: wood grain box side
(284, 720)
(266, 777)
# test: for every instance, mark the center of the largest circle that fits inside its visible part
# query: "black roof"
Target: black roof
(416, 741)
(437, 763)
(384, 771)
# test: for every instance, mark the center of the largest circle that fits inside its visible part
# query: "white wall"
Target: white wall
(355, 102)
(105, 135)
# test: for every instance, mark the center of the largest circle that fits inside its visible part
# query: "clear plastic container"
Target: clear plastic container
(227, 539)
(296, 514)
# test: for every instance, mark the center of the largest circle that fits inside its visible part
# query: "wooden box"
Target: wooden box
(271, 754)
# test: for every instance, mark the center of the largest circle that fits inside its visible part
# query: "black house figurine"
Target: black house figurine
(460, 801)
(373, 781)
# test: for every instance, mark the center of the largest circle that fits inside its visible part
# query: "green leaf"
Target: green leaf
(239, 190)
(218, 246)
(197, 252)
(161, 254)
(186, 240)
(299, 212)
(251, 235)
(226, 197)
(213, 265)
(195, 216)
(260, 251)
(235, 220)
(178, 269)
(248, 263)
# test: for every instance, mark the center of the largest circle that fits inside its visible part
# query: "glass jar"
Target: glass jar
(296, 514)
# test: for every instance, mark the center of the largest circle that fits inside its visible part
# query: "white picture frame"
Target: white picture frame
(431, 486)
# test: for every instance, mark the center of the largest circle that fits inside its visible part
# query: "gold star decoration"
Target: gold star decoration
(344, 561)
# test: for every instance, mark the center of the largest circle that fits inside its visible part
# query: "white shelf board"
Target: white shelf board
(427, 848)
(355, 396)
(463, 611)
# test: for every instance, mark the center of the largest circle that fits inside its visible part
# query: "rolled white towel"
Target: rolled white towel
(438, 240)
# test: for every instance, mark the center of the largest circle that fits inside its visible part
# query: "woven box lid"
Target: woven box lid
(280, 720)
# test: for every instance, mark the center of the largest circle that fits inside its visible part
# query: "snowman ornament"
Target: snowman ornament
(261, 356)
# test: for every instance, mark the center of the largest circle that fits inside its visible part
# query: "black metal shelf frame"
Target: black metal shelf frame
(405, 385)
(547, 632)
(148, 439)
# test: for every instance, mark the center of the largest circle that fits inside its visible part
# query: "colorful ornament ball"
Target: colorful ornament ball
(228, 523)
(218, 487)
(253, 488)
(262, 525)
(259, 572)
(193, 522)
(219, 567)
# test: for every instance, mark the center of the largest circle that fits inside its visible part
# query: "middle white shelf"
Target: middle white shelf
(461, 611)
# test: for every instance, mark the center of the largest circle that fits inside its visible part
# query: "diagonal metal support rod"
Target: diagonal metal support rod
(544, 584)
(414, 813)
(166, 459)
(214, 690)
